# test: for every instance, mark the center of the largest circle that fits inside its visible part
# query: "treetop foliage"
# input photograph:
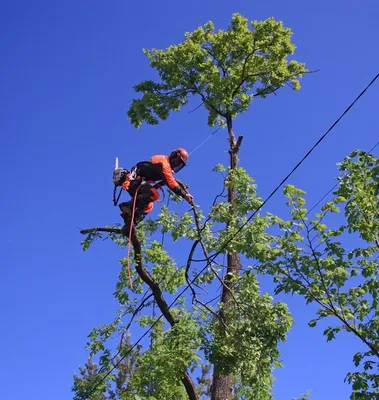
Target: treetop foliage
(226, 69)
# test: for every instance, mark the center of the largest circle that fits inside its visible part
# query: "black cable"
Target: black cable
(337, 184)
(213, 256)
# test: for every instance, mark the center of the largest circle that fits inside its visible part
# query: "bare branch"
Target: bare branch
(100, 229)
(189, 261)
(238, 144)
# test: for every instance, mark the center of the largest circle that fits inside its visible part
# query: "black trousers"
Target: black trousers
(143, 203)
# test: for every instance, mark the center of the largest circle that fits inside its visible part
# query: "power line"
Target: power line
(327, 193)
(319, 201)
(213, 256)
(337, 184)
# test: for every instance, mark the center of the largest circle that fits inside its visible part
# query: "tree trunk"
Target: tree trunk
(222, 385)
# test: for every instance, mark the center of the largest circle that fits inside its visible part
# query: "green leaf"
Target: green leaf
(312, 323)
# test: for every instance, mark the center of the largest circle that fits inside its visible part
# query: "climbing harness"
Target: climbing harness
(122, 177)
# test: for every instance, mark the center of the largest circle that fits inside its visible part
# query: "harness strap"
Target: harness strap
(115, 201)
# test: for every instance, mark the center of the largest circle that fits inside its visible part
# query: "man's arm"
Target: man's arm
(188, 197)
(178, 187)
(171, 182)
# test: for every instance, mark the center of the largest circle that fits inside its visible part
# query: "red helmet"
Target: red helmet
(178, 159)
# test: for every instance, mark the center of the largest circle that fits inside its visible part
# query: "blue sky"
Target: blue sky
(67, 71)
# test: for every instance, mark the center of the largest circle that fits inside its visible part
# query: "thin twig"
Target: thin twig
(273, 88)
(189, 261)
(205, 252)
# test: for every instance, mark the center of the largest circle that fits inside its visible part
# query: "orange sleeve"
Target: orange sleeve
(167, 171)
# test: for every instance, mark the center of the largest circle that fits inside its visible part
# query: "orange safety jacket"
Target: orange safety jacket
(157, 169)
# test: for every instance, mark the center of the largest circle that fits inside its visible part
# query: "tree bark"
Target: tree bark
(222, 385)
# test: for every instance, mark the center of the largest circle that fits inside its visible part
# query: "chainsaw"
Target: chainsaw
(119, 177)
(119, 174)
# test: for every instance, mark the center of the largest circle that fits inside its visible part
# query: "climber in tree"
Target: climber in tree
(141, 182)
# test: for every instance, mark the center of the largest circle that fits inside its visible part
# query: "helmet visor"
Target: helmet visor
(178, 164)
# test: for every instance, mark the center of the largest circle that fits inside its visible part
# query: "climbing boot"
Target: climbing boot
(139, 217)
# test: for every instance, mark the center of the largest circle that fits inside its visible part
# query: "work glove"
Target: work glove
(126, 184)
(189, 198)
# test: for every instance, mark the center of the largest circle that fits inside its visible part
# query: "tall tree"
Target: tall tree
(227, 70)
(337, 268)
(239, 337)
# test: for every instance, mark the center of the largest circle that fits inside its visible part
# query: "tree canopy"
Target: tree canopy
(226, 69)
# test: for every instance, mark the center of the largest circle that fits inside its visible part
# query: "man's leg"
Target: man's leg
(144, 204)
(146, 196)
(126, 214)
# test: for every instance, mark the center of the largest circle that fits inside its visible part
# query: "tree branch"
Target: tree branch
(136, 311)
(189, 261)
(194, 294)
(100, 229)
(237, 146)
(336, 313)
(219, 63)
(147, 278)
(317, 300)
(207, 258)
(203, 98)
(273, 88)
(243, 78)
(156, 292)
(162, 304)
(174, 91)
